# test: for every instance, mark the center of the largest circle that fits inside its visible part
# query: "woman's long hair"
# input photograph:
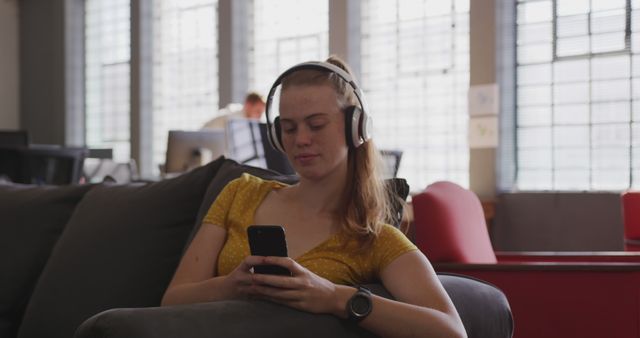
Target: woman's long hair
(365, 204)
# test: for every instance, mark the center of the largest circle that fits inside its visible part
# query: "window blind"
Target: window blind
(415, 73)
(282, 34)
(576, 94)
(185, 68)
(107, 55)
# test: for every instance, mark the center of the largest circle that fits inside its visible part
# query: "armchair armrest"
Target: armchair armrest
(568, 256)
(483, 308)
(234, 318)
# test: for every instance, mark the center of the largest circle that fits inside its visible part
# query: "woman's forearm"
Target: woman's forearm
(389, 318)
(208, 290)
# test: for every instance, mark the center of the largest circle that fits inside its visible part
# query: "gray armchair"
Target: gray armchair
(94, 261)
(483, 308)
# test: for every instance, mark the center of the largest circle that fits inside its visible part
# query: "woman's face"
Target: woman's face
(313, 130)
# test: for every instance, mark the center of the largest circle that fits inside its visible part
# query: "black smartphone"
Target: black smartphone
(268, 240)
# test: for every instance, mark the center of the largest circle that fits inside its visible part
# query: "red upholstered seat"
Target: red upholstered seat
(452, 226)
(551, 294)
(631, 218)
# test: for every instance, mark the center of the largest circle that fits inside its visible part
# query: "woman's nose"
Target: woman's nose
(303, 136)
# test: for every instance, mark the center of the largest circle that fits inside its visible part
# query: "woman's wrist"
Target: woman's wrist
(224, 287)
(342, 295)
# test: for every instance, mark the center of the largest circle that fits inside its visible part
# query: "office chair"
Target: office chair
(391, 160)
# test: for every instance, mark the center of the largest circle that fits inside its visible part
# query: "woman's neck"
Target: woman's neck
(322, 195)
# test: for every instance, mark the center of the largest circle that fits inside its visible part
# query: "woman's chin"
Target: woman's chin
(309, 173)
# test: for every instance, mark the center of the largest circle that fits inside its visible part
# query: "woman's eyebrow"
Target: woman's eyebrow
(312, 116)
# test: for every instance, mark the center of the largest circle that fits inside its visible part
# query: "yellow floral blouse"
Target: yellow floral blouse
(336, 259)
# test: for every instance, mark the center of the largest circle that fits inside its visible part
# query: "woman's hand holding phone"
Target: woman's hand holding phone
(282, 280)
(303, 290)
(240, 281)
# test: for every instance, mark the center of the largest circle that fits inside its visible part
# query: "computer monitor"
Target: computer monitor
(42, 164)
(275, 159)
(244, 143)
(247, 143)
(14, 138)
(189, 149)
(54, 165)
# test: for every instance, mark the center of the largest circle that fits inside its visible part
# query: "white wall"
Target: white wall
(9, 67)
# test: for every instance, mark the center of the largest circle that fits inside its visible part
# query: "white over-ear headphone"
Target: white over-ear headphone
(358, 124)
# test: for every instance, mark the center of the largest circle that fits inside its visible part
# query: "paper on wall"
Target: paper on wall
(483, 100)
(483, 132)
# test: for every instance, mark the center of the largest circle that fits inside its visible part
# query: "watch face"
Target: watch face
(360, 305)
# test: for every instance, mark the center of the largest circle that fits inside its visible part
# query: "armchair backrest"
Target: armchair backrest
(631, 220)
(450, 225)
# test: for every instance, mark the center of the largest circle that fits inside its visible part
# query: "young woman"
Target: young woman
(334, 220)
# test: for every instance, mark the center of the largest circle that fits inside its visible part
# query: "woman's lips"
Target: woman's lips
(305, 158)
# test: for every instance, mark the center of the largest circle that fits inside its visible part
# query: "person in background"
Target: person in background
(336, 220)
(252, 108)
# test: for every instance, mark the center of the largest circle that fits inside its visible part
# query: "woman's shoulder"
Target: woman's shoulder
(248, 181)
(390, 244)
(390, 235)
(247, 187)
(389, 230)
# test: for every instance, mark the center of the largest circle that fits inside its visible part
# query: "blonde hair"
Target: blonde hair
(365, 200)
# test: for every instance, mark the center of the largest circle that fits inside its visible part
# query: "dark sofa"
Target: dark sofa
(94, 261)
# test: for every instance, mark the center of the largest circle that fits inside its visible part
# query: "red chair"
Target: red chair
(551, 294)
(631, 219)
(465, 238)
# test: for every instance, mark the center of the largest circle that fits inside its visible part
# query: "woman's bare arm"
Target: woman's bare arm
(422, 307)
(194, 281)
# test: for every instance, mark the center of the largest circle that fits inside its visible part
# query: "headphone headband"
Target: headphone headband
(273, 128)
(322, 66)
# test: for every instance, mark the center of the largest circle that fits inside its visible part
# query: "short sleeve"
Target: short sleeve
(217, 214)
(390, 244)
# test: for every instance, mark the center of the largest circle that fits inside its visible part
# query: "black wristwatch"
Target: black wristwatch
(359, 305)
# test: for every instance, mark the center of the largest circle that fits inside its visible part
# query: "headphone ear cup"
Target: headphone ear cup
(348, 125)
(356, 126)
(275, 135)
(365, 127)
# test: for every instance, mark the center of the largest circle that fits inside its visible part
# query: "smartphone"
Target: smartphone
(268, 240)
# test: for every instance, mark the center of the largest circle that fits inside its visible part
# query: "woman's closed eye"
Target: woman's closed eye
(317, 122)
(316, 126)
(312, 127)
(289, 130)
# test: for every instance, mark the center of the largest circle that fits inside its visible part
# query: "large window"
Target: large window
(185, 68)
(577, 86)
(283, 33)
(415, 73)
(107, 37)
